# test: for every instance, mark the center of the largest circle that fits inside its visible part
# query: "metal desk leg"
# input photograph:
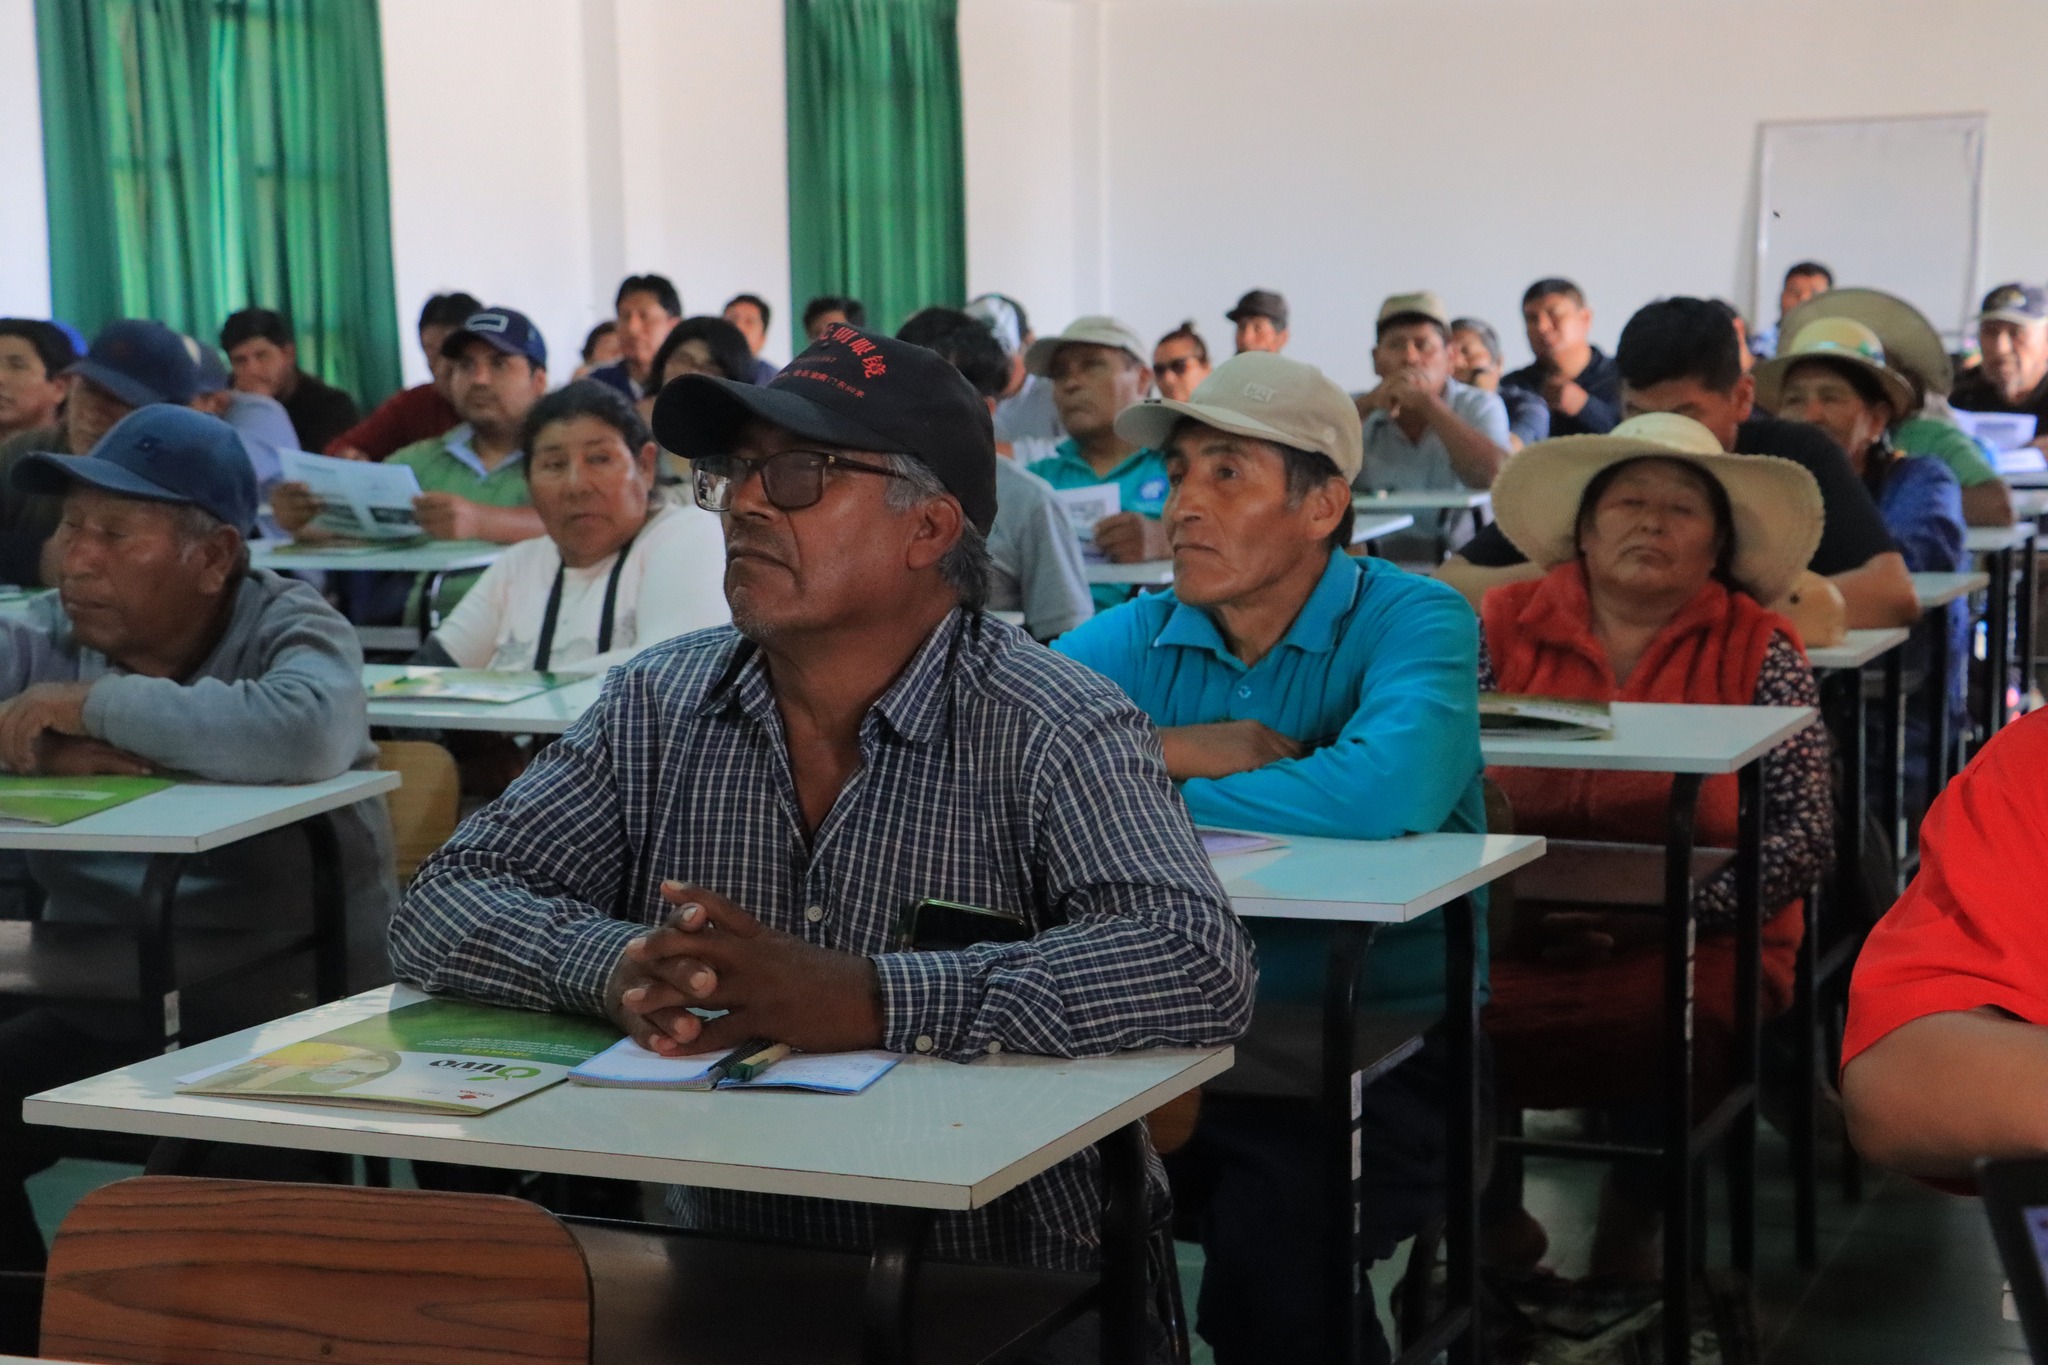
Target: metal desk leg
(2029, 584)
(1343, 1098)
(1895, 757)
(1462, 1175)
(330, 909)
(892, 1277)
(1126, 1230)
(1749, 918)
(1678, 978)
(1936, 701)
(1998, 658)
(156, 957)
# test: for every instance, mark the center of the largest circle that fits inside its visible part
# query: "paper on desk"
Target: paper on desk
(1222, 843)
(626, 1064)
(2000, 430)
(358, 498)
(1086, 506)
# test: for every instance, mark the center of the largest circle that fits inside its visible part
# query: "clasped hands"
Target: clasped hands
(712, 955)
(42, 731)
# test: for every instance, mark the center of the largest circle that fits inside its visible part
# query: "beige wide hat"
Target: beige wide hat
(1911, 344)
(1094, 330)
(1267, 397)
(1777, 505)
(1845, 341)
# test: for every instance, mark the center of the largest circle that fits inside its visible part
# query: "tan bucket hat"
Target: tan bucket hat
(1911, 344)
(1267, 397)
(1422, 304)
(1094, 330)
(1845, 341)
(1777, 504)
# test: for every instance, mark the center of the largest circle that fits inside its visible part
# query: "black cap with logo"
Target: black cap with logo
(857, 389)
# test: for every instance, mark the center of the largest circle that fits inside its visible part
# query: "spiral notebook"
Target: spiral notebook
(628, 1065)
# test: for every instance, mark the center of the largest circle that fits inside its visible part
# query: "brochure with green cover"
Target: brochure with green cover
(435, 1057)
(60, 800)
(426, 683)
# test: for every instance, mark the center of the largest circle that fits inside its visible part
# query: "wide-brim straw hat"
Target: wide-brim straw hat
(1910, 341)
(1843, 341)
(1777, 504)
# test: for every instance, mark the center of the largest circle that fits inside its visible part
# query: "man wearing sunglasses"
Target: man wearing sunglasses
(742, 820)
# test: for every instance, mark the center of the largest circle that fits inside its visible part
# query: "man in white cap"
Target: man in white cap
(1099, 367)
(2012, 332)
(1298, 690)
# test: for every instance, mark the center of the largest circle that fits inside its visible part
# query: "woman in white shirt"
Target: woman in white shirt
(621, 567)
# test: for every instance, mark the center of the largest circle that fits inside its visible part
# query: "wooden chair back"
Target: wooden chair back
(170, 1270)
(428, 800)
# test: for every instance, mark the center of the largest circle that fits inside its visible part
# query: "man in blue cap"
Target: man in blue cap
(163, 651)
(131, 364)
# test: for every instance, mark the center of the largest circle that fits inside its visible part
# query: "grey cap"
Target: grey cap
(1093, 330)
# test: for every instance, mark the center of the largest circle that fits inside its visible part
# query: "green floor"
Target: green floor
(1908, 1276)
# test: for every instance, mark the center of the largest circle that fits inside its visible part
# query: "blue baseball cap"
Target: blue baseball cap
(159, 453)
(140, 363)
(502, 329)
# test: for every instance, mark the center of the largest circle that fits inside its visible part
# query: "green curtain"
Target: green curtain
(209, 155)
(877, 204)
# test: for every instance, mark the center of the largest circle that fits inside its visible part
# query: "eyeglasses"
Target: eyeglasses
(792, 479)
(1172, 367)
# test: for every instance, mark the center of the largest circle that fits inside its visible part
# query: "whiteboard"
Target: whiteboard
(1890, 204)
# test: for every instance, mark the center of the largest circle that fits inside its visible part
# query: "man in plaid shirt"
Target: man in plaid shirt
(741, 821)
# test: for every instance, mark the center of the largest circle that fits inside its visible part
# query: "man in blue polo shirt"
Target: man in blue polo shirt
(1297, 690)
(1099, 367)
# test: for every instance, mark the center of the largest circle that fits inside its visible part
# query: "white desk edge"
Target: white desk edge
(90, 834)
(1575, 753)
(1523, 850)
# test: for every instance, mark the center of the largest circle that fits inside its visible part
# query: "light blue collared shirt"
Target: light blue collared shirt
(1378, 674)
(457, 443)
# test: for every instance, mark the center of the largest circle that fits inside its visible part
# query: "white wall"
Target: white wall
(24, 221)
(1343, 150)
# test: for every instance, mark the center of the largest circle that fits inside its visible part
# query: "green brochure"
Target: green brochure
(60, 800)
(435, 1057)
(423, 682)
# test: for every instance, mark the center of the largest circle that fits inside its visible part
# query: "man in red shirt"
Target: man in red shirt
(420, 412)
(1946, 1056)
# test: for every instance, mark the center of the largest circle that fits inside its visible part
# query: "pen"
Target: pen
(755, 1061)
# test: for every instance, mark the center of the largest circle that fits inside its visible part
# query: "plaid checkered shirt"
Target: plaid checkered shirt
(993, 772)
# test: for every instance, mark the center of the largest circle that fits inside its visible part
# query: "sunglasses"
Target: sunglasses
(792, 479)
(1172, 367)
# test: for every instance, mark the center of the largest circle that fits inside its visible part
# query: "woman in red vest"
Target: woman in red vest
(1658, 549)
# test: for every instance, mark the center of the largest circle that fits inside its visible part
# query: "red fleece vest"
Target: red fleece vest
(1540, 637)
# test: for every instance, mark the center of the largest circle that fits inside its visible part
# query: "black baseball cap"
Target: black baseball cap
(502, 329)
(1261, 303)
(850, 388)
(158, 453)
(140, 362)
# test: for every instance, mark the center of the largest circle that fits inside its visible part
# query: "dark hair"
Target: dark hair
(1552, 284)
(1186, 330)
(597, 334)
(728, 346)
(1681, 338)
(1863, 381)
(585, 398)
(1482, 329)
(1810, 268)
(760, 306)
(856, 313)
(1709, 486)
(1379, 331)
(1307, 470)
(46, 339)
(448, 310)
(657, 285)
(255, 324)
(963, 342)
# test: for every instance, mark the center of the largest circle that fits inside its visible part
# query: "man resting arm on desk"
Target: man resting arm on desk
(1300, 691)
(744, 817)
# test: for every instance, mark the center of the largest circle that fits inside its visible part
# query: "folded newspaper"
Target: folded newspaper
(360, 499)
(435, 1057)
(1543, 717)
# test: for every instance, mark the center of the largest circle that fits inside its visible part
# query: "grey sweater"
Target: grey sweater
(280, 699)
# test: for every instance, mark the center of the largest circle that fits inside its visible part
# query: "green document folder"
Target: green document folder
(60, 800)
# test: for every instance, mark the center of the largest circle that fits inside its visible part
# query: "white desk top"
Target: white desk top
(193, 817)
(2031, 478)
(1425, 500)
(1940, 589)
(1661, 738)
(432, 556)
(1387, 881)
(1981, 540)
(930, 1134)
(1373, 523)
(1150, 573)
(1858, 648)
(17, 604)
(2030, 502)
(550, 713)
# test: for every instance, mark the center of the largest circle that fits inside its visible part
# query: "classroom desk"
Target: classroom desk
(436, 559)
(16, 604)
(1691, 743)
(1934, 590)
(931, 1135)
(1359, 885)
(1998, 545)
(550, 713)
(1443, 506)
(1843, 671)
(193, 818)
(1158, 573)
